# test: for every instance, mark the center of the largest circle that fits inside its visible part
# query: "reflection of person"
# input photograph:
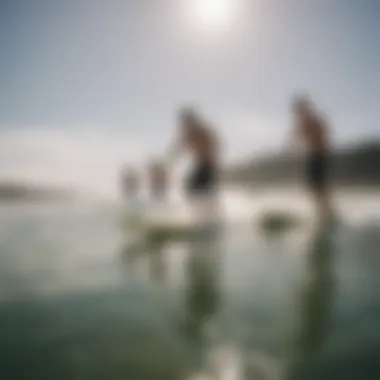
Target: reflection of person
(134, 253)
(318, 294)
(158, 179)
(202, 298)
(316, 300)
(157, 266)
(200, 140)
(311, 130)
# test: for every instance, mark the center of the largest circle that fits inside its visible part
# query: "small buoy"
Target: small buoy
(278, 222)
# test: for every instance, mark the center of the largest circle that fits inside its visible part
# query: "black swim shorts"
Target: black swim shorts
(317, 171)
(202, 179)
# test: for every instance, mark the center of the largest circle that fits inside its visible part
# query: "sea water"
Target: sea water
(300, 305)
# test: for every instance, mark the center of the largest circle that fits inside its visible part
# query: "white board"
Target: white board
(170, 218)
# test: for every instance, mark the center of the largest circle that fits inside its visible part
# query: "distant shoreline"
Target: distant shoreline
(352, 167)
(19, 192)
(286, 186)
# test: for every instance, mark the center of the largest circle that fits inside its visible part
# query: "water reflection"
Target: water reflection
(316, 299)
(202, 295)
(138, 253)
(157, 266)
(202, 303)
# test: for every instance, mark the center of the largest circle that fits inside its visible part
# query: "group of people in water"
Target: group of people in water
(201, 141)
(158, 181)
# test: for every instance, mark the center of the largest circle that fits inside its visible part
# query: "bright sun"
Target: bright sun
(213, 14)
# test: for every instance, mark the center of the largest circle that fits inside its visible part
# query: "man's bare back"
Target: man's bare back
(312, 131)
(201, 142)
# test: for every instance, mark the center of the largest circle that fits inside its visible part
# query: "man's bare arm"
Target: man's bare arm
(176, 151)
(325, 136)
(295, 139)
(216, 143)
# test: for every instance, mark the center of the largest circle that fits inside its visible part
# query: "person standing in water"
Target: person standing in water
(198, 139)
(312, 131)
(158, 179)
(129, 183)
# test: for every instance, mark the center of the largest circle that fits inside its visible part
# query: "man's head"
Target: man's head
(302, 105)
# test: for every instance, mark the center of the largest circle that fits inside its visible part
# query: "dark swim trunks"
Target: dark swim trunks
(317, 171)
(203, 179)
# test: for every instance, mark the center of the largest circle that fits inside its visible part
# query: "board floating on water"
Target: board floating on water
(170, 222)
(164, 222)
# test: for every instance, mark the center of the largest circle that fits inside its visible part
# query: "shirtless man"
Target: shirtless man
(200, 141)
(158, 180)
(311, 130)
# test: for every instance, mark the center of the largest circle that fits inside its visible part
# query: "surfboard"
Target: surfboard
(171, 221)
(164, 227)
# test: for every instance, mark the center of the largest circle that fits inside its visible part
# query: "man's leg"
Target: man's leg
(324, 196)
(322, 204)
(318, 181)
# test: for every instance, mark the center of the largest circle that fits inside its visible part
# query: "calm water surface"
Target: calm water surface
(74, 304)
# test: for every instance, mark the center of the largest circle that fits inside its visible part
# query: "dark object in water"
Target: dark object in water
(181, 232)
(278, 222)
(159, 235)
(155, 238)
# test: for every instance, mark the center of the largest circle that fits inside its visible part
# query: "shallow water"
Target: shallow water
(240, 305)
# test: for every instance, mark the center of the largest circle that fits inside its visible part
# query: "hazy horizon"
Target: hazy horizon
(87, 86)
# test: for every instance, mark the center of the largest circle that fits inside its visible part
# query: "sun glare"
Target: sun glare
(213, 14)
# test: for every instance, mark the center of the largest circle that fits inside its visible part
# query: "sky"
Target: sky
(88, 85)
